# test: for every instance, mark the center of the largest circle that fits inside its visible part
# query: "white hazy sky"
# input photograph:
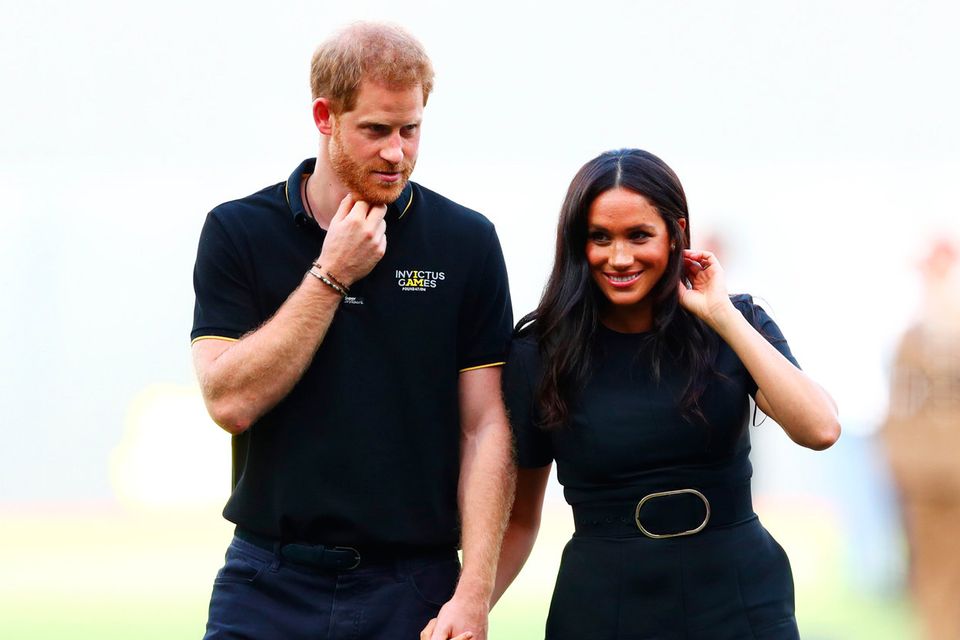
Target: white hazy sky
(819, 139)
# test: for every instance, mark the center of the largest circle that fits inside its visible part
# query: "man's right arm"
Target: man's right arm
(240, 381)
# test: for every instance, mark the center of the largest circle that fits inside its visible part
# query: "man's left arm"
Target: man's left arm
(485, 493)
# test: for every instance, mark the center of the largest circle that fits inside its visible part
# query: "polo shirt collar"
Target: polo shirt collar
(395, 210)
(294, 200)
(402, 205)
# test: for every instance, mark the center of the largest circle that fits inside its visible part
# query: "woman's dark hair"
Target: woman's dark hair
(569, 311)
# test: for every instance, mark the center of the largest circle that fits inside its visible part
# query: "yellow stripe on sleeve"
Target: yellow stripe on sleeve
(199, 338)
(483, 366)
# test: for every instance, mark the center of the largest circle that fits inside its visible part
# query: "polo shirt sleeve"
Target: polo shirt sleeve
(486, 317)
(225, 305)
(533, 446)
(766, 326)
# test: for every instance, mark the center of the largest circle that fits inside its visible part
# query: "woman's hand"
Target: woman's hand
(707, 297)
(785, 393)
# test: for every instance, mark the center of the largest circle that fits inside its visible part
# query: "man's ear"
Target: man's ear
(323, 116)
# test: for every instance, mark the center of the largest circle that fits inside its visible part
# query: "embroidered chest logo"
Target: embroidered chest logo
(418, 280)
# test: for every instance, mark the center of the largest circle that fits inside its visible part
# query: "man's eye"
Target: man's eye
(409, 130)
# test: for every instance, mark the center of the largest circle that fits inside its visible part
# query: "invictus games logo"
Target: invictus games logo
(417, 280)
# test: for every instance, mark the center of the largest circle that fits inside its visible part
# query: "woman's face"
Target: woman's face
(628, 249)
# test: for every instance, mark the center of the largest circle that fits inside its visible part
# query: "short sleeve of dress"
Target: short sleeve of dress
(519, 383)
(486, 319)
(225, 304)
(765, 325)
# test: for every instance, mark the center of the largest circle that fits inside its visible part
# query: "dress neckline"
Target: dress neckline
(609, 336)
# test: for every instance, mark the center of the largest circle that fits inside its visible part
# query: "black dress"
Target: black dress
(626, 439)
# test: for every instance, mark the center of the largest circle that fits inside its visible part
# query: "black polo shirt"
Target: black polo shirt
(365, 448)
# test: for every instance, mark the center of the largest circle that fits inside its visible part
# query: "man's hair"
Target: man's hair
(382, 53)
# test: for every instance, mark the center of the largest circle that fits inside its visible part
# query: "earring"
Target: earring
(673, 246)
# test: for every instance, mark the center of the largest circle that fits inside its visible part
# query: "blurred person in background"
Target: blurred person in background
(922, 441)
(360, 377)
(634, 373)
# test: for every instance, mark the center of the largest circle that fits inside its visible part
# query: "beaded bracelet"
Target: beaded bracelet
(333, 278)
(316, 273)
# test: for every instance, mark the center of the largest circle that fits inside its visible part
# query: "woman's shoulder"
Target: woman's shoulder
(742, 301)
(759, 318)
(525, 343)
(746, 305)
(525, 334)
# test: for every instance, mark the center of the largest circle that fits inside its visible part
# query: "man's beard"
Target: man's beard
(361, 180)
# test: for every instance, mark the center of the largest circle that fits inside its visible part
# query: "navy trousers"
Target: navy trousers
(259, 596)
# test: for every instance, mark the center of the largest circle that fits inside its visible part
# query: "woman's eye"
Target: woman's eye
(639, 236)
(597, 237)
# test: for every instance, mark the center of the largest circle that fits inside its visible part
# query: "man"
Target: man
(349, 330)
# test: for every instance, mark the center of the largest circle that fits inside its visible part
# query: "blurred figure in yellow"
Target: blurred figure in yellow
(922, 438)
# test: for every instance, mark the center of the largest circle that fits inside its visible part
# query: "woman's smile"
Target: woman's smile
(623, 280)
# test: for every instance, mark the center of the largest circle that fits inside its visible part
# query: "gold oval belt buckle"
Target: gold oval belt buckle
(663, 494)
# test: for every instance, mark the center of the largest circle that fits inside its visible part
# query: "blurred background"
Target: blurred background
(818, 143)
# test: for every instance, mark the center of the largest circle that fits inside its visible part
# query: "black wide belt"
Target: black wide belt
(666, 513)
(337, 558)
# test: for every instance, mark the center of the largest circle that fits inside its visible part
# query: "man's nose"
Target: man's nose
(392, 151)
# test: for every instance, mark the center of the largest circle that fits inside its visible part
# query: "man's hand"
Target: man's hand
(356, 240)
(460, 618)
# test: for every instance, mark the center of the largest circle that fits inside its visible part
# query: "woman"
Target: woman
(637, 384)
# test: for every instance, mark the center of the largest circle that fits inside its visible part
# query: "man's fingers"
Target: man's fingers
(437, 634)
(360, 209)
(466, 635)
(375, 216)
(428, 630)
(345, 205)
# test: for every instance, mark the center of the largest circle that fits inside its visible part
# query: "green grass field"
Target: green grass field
(105, 572)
